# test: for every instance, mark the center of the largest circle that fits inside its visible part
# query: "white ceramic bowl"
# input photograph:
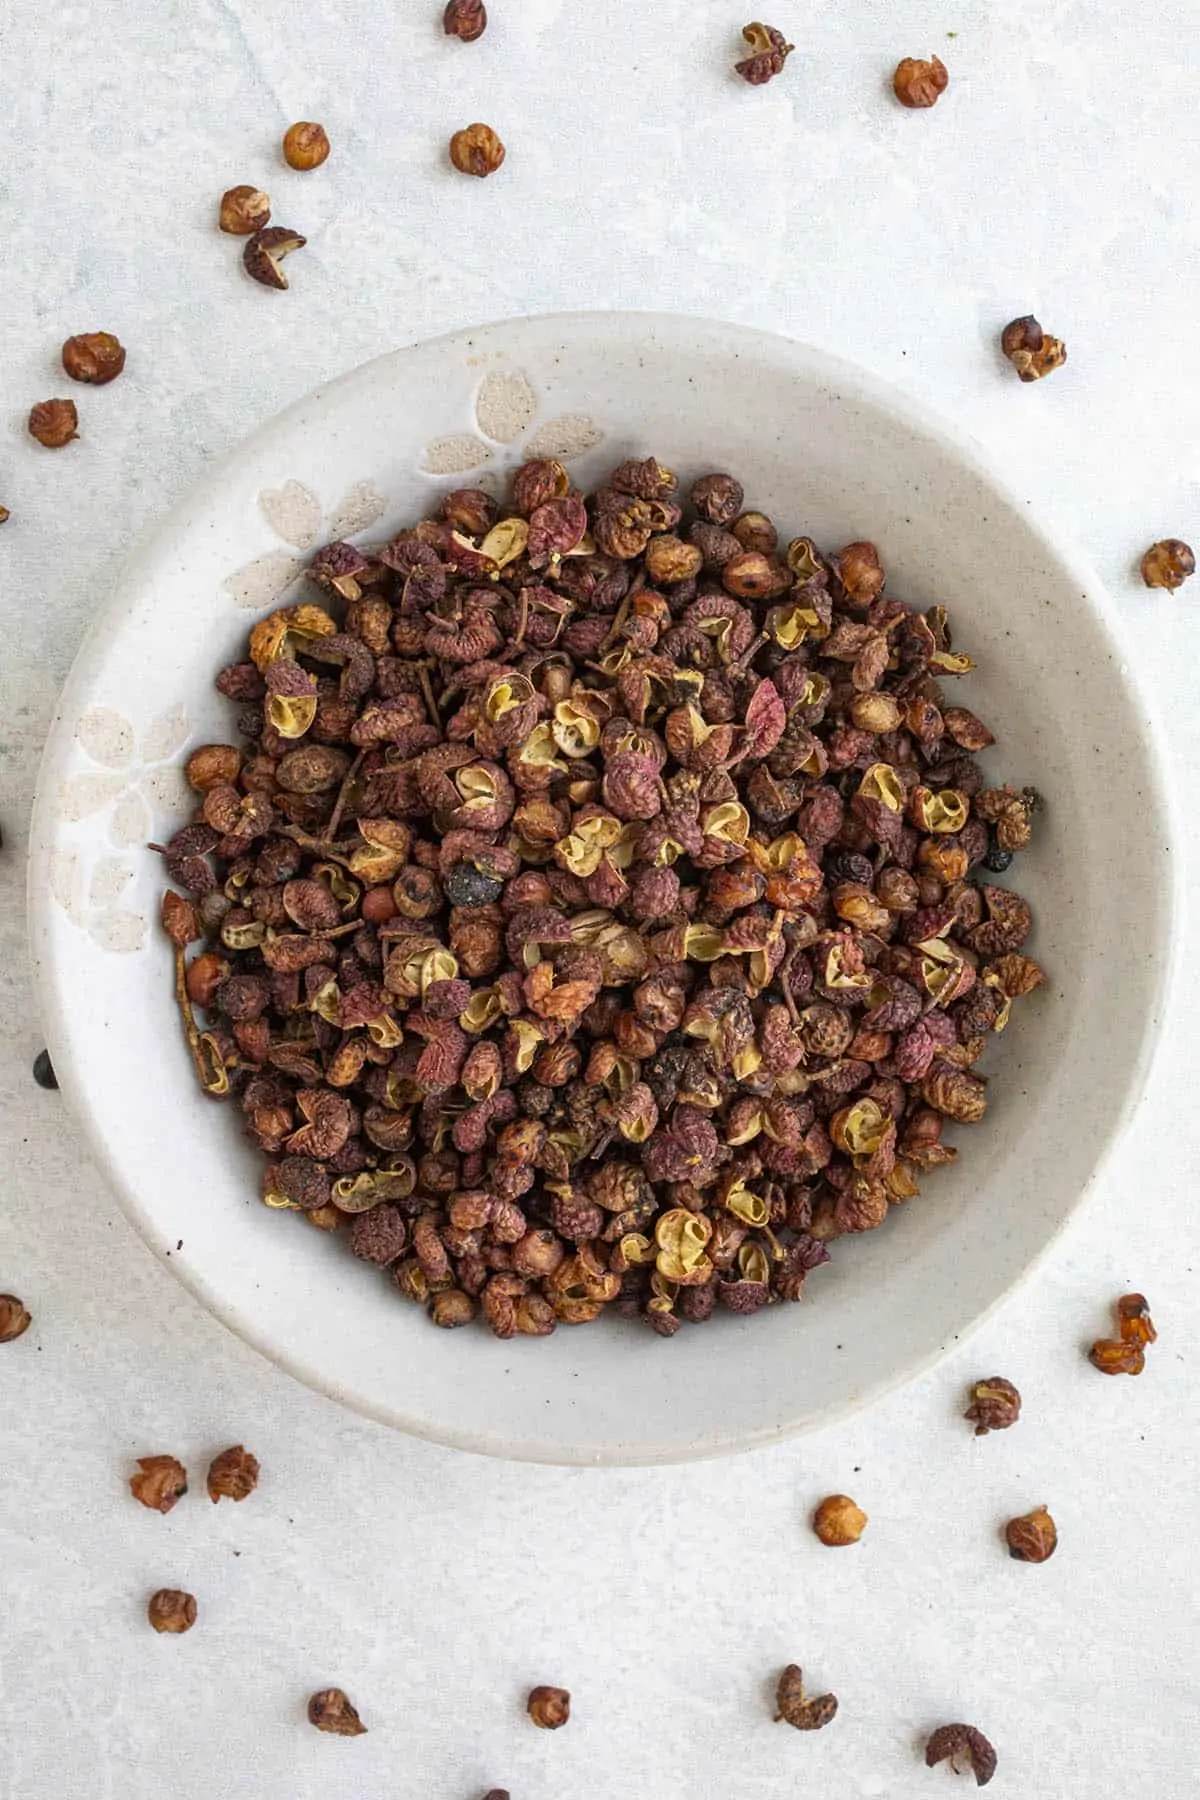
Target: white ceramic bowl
(826, 450)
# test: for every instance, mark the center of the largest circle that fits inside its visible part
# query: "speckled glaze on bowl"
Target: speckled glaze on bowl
(825, 449)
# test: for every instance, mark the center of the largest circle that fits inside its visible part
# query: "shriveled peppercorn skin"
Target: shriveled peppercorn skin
(594, 915)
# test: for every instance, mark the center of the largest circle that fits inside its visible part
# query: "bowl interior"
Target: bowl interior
(825, 451)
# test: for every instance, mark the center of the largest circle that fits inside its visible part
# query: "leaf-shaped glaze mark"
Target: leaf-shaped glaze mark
(165, 736)
(356, 511)
(107, 736)
(572, 434)
(259, 584)
(167, 790)
(293, 512)
(66, 883)
(82, 795)
(454, 455)
(505, 406)
(130, 820)
(117, 930)
(110, 877)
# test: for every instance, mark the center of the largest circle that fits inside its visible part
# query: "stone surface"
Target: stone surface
(1057, 174)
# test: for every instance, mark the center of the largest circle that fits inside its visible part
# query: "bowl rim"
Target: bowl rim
(836, 373)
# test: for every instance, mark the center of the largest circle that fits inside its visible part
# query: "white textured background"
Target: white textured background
(1061, 173)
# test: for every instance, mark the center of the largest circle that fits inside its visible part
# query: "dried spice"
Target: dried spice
(305, 145)
(244, 209)
(591, 915)
(995, 1405)
(263, 256)
(966, 1750)
(1032, 1537)
(330, 1710)
(54, 423)
(232, 1475)
(918, 83)
(4, 514)
(465, 20)
(96, 357)
(1126, 1353)
(15, 1318)
(769, 50)
(43, 1071)
(1032, 351)
(839, 1521)
(476, 150)
(549, 1707)
(1168, 564)
(159, 1482)
(794, 1707)
(171, 1610)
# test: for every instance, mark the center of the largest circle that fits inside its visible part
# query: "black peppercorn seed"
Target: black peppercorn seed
(997, 858)
(468, 886)
(43, 1070)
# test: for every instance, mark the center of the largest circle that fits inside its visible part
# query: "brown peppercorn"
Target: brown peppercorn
(159, 1483)
(244, 209)
(1032, 1537)
(476, 150)
(995, 1405)
(917, 83)
(171, 1610)
(839, 1521)
(1168, 564)
(54, 423)
(452, 1309)
(465, 20)
(549, 1707)
(4, 514)
(1125, 1355)
(96, 357)
(794, 1707)
(1031, 351)
(15, 1318)
(1113, 1357)
(331, 1710)
(966, 1749)
(305, 145)
(769, 50)
(232, 1475)
(263, 256)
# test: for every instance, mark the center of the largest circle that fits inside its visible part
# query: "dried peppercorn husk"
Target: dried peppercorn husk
(593, 914)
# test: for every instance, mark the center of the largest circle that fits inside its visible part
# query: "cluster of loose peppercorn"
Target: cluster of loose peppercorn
(598, 914)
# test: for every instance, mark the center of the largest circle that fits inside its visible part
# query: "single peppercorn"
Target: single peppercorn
(96, 357)
(995, 1405)
(4, 514)
(54, 423)
(1168, 564)
(232, 1475)
(1134, 1321)
(476, 150)
(263, 256)
(966, 1750)
(244, 210)
(171, 1610)
(1032, 352)
(1032, 1537)
(839, 1521)
(43, 1071)
(793, 1706)
(465, 20)
(549, 1707)
(15, 1318)
(159, 1482)
(769, 50)
(332, 1711)
(998, 858)
(305, 145)
(918, 83)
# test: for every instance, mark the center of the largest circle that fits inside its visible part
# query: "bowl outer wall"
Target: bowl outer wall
(828, 450)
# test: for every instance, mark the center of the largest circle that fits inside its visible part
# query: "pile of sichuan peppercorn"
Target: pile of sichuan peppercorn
(597, 913)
